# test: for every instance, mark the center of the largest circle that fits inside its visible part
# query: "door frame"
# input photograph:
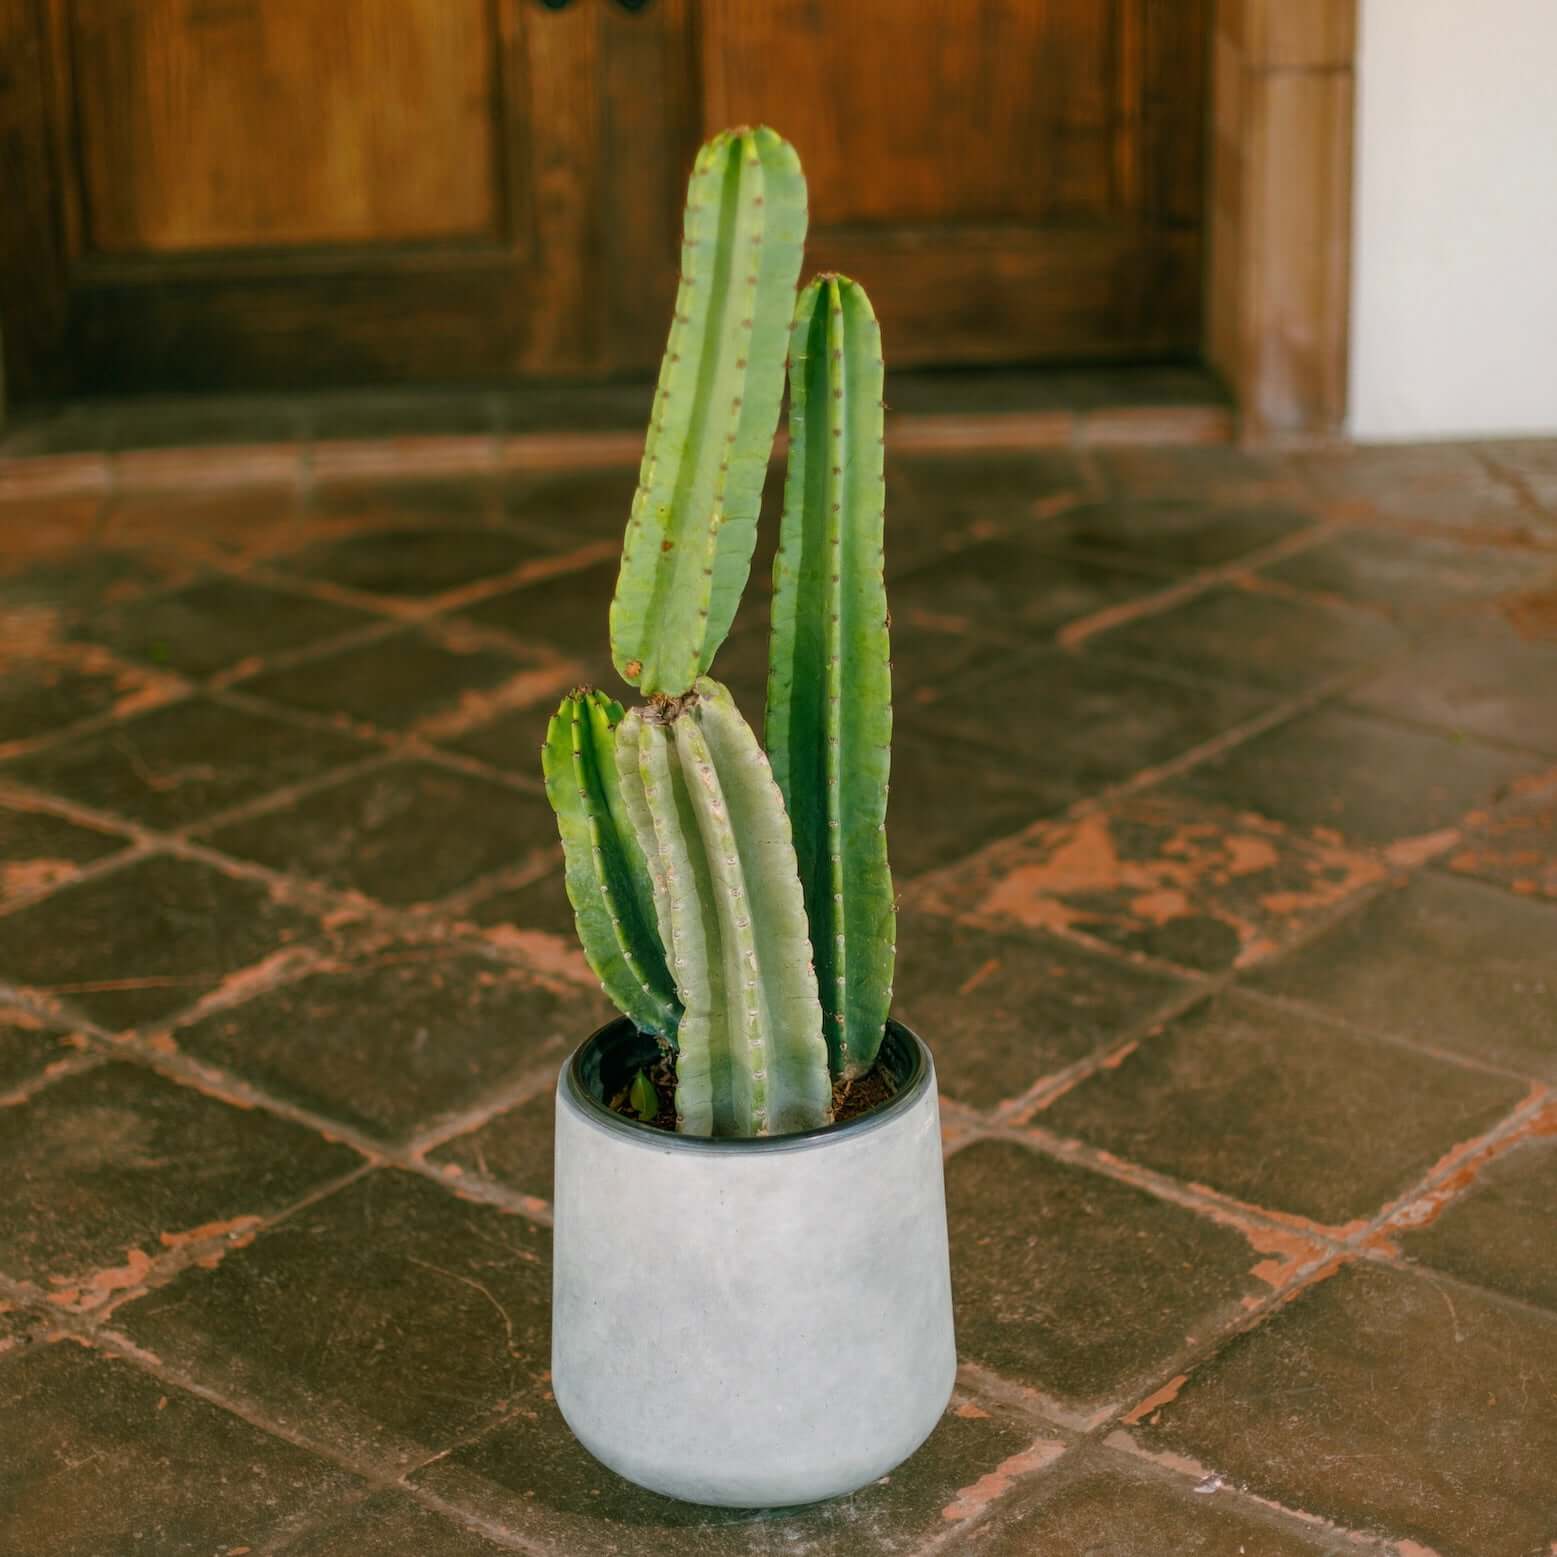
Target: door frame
(1276, 320)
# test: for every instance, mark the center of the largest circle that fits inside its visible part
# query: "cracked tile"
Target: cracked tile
(341, 1319)
(175, 765)
(1080, 1286)
(110, 1170)
(1281, 1111)
(135, 944)
(102, 1458)
(1180, 882)
(1000, 1011)
(402, 834)
(1386, 1403)
(1442, 960)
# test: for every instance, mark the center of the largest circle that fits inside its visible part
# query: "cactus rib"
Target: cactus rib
(693, 524)
(606, 875)
(829, 708)
(750, 1055)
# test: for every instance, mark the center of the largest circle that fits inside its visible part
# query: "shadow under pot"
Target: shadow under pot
(753, 1323)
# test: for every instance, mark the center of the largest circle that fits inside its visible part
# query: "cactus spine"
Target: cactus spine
(750, 1056)
(607, 876)
(829, 714)
(693, 524)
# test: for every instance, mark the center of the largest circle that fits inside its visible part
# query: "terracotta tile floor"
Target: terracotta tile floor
(1224, 820)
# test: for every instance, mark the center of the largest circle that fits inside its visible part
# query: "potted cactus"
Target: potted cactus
(751, 1299)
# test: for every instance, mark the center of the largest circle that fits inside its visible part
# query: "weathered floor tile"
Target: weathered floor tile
(233, 524)
(1199, 473)
(565, 612)
(1069, 725)
(1447, 487)
(100, 1458)
(1005, 589)
(39, 849)
(175, 765)
(1176, 880)
(1498, 1232)
(1516, 846)
(539, 907)
(1282, 1111)
(1078, 1285)
(1001, 1011)
(407, 678)
(389, 1524)
(1184, 534)
(29, 1047)
(132, 945)
(220, 622)
(1104, 1506)
(401, 834)
(399, 1038)
(59, 592)
(511, 742)
(1000, 491)
(948, 800)
(1497, 685)
(1383, 1402)
(1341, 775)
(515, 1147)
(61, 685)
(578, 505)
(389, 1319)
(108, 1170)
(1253, 636)
(531, 1476)
(404, 563)
(1449, 962)
(1408, 573)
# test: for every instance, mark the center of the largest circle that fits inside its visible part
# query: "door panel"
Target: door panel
(1016, 180)
(260, 123)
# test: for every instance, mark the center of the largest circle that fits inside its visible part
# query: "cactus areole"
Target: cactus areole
(751, 1293)
(733, 894)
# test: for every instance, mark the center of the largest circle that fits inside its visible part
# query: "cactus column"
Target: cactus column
(607, 878)
(750, 1057)
(829, 713)
(693, 524)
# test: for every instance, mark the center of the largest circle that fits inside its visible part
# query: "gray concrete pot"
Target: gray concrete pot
(753, 1323)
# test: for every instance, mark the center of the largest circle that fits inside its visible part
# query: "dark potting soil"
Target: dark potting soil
(850, 1098)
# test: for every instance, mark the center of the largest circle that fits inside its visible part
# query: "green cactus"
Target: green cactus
(750, 1059)
(739, 904)
(607, 877)
(829, 716)
(693, 526)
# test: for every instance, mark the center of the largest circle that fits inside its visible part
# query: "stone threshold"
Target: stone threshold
(218, 441)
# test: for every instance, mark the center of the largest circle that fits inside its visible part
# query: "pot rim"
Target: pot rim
(571, 1088)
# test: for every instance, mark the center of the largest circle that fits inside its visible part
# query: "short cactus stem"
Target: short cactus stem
(750, 1055)
(607, 876)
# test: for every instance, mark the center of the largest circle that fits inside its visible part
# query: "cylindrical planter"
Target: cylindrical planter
(753, 1323)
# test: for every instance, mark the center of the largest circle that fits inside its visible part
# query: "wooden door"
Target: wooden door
(250, 194)
(287, 193)
(1013, 180)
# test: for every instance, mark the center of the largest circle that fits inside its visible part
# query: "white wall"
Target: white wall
(1454, 283)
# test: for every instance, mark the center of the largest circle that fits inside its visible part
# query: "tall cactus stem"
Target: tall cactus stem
(829, 709)
(693, 523)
